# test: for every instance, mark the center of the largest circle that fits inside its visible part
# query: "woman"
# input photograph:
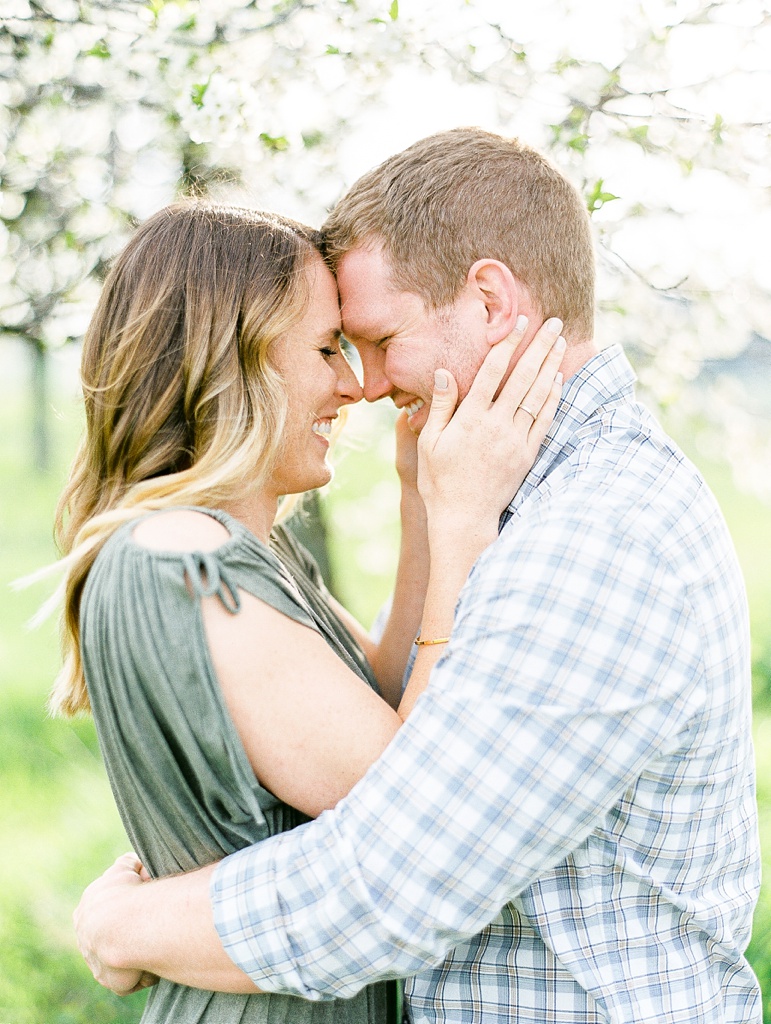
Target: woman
(230, 699)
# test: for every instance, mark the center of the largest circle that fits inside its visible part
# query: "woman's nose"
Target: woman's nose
(376, 384)
(348, 386)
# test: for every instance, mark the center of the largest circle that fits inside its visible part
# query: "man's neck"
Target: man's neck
(578, 354)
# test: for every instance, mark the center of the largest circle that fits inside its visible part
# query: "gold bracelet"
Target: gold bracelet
(428, 643)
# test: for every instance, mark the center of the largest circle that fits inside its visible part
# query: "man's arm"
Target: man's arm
(552, 699)
(525, 739)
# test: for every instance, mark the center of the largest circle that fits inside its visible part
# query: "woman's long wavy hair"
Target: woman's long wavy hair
(184, 405)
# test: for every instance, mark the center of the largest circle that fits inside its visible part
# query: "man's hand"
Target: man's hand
(96, 919)
(132, 931)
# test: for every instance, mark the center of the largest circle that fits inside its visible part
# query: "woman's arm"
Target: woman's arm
(388, 655)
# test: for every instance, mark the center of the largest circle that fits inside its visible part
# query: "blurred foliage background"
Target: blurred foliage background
(658, 110)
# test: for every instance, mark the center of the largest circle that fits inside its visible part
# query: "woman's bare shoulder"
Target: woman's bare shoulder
(180, 529)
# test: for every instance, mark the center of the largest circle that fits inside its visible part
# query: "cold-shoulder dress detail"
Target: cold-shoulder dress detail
(183, 784)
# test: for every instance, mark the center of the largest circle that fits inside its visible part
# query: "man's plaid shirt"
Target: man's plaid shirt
(570, 807)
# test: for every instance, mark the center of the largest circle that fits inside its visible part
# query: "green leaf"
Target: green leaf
(597, 196)
(314, 138)
(332, 51)
(100, 49)
(197, 93)
(393, 10)
(564, 63)
(686, 166)
(579, 142)
(716, 130)
(639, 134)
(275, 143)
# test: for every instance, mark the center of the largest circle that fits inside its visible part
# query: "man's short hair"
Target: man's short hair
(464, 195)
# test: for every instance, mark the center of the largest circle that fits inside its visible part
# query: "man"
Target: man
(564, 829)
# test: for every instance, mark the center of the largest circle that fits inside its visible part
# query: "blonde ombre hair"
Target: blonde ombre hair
(464, 195)
(184, 405)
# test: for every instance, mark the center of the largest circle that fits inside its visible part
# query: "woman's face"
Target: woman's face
(319, 380)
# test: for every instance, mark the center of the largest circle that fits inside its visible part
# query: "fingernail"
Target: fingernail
(557, 378)
(555, 324)
(560, 344)
(440, 380)
(521, 323)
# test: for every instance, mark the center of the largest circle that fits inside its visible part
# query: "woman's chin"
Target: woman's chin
(310, 481)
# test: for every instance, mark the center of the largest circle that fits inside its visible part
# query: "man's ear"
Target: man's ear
(501, 292)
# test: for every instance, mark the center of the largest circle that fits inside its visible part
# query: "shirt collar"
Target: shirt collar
(606, 379)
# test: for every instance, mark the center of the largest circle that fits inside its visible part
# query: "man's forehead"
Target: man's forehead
(363, 321)
(366, 292)
(364, 268)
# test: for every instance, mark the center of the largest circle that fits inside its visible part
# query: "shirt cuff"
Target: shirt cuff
(248, 917)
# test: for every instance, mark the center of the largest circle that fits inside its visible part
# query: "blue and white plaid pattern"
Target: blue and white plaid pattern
(579, 771)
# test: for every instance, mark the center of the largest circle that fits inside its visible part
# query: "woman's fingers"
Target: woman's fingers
(539, 425)
(491, 373)
(443, 403)
(530, 380)
(535, 405)
(529, 384)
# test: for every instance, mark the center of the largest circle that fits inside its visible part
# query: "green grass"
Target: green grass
(58, 824)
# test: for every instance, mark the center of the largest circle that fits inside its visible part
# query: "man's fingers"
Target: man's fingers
(146, 981)
(130, 861)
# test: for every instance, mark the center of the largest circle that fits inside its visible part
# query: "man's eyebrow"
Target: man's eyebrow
(372, 333)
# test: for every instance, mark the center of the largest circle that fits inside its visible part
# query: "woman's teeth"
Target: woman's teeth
(323, 427)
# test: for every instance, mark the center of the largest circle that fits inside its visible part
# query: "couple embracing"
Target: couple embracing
(553, 820)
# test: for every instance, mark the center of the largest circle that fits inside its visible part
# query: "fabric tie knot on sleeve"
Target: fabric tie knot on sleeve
(208, 577)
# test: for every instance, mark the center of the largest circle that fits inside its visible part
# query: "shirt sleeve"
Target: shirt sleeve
(574, 664)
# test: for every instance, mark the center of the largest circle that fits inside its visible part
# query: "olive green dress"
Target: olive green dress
(181, 779)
